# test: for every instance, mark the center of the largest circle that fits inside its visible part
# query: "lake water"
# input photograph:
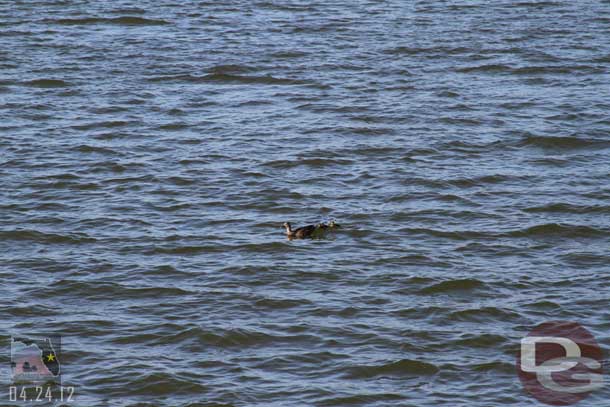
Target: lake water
(150, 153)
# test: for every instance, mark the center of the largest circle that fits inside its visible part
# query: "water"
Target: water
(151, 153)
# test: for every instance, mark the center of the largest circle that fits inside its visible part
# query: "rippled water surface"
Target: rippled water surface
(150, 152)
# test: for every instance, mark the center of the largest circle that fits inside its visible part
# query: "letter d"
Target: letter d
(528, 354)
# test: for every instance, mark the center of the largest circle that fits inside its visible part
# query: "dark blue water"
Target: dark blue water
(150, 153)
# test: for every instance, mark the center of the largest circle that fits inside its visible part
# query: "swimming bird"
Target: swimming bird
(300, 233)
(331, 225)
(312, 231)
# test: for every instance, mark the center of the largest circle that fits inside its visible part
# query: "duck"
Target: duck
(299, 233)
(309, 231)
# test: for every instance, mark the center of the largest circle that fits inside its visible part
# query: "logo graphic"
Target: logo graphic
(560, 363)
(35, 360)
(36, 372)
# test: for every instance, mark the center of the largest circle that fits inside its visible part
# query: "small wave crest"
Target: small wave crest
(47, 83)
(44, 237)
(559, 230)
(125, 20)
(309, 162)
(106, 290)
(401, 368)
(563, 142)
(228, 78)
(486, 314)
(238, 337)
(561, 207)
(467, 284)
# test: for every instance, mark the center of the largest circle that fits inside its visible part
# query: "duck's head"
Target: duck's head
(288, 226)
(333, 224)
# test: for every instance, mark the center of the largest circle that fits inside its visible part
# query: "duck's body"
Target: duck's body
(309, 231)
(299, 233)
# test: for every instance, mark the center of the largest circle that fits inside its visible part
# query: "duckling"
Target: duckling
(331, 225)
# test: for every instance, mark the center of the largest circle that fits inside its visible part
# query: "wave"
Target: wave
(125, 20)
(361, 399)
(561, 207)
(450, 234)
(365, 151)
(101, 125)
(531, 70)
(309, 162)
(559, 230)
(460, 121)
(228, 79)
(267, 247)
(43, 237)
(483, 315)
(85, 186)
(412, 259)
(105, 290)
(62, 177)
(448, 94)
(147, 381)
(47, 83)
(419, 312)
(467, 284)
(401, 368)
(289, 54)
(426, 182)
(230, 69)
(187, 250)
(492, 68)
(485, 179)
(462, 146)
(454, 198)
(181, 181)
(435, 214)
(603, 59)
(166, 270)
(432, 51)
(275, 303)
(481, 341)
(245, 270)
(174, 126)
(237, 337)
(136, 179)
(585, 260)
(550, 161)
(95, 149)
(489, 249)
(128, 10)
(498, 367)
(537, 4)
(563, 70)
(170, 208)
(296, 361)
(30, 309)
(563, 142)
(543, 305)
(53, 206)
